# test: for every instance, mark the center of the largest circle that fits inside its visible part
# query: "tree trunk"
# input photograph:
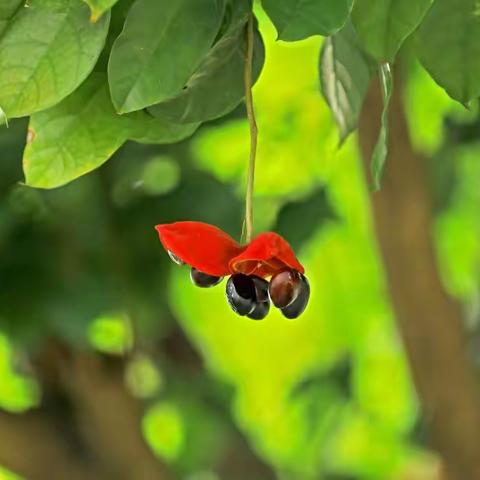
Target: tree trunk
(429, 320)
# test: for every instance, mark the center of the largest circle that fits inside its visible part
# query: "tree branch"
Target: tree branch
(33, 448)
(110, 419)
(429, 320)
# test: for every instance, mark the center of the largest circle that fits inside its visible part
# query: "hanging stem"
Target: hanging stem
(253, 130)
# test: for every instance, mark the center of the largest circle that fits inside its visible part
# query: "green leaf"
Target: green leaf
(7, 10)
(99, 7)
(449, 47)
(299, 19)
(74, 137)
(162, 43)
(82, 132)
(381, 148)
(48, 49)
(216, 87)
(147, 129)
(3, 118)
(383, 25)
(345, 73)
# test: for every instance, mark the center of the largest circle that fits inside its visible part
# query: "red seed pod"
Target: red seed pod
(212, 254)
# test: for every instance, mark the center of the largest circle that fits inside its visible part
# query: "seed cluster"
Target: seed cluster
(250, 295)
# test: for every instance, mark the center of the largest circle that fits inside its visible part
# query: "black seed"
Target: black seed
(284, 288)
(175, 259)
(241, 294)
(297, 307)
(260, 311)
(261, 289)
(204, 280)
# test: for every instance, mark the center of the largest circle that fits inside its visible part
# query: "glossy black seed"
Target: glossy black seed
(261, 289)
(175, 259)
(260, 311)
(284, 288)
(241, 293)
(297, 307)
(204, 280)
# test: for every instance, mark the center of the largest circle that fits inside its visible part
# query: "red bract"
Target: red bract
(200, 245)
(265, 255)
(212, 251)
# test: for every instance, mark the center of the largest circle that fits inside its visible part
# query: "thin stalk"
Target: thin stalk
(248, 80)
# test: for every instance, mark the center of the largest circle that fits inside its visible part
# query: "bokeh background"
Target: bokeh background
(88, 298)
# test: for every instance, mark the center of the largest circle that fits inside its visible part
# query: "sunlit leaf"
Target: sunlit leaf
(381, 148)
(449, 46)
(159, 48)
(82, 132)
(299, 19)
(99, 7)
(7, 10)
(383, 25)
(345, 74)
(47, 51)
(73, 138)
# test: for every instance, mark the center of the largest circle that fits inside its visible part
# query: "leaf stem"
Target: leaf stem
(248, 80)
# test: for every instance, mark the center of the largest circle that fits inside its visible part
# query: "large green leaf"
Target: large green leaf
(162, 43)
(381, 148)
(299, 19)
(7, 10)
(48, 49)
(99, 7)
(217, 86)
(8, 7)
(82, 132)
(74, 137)
(449, 47)
(383, 25)
(147, 129)
(345, 74)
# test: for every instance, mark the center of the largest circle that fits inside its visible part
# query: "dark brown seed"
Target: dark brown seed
(284, 288)
(297, 307)
(204, 280)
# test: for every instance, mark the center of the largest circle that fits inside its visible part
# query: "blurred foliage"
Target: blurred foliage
(327, 396)
(17, 392)
(111, 334)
